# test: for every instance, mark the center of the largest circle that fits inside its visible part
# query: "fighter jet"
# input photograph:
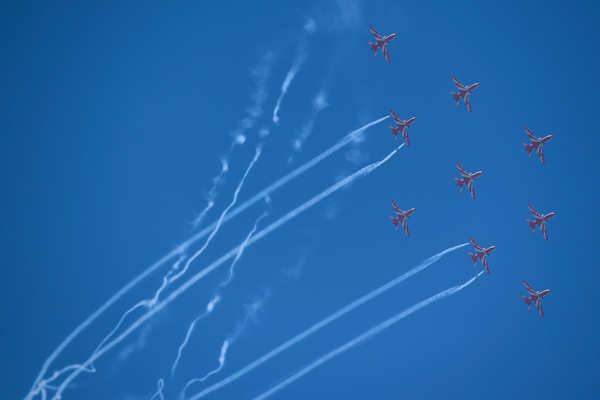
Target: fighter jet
(401, 217)
(401, 126)
(467, 179)
(537, 143)
(539, 219)
(381, 41)
(535, 297)
(464, 92)
(481, 253)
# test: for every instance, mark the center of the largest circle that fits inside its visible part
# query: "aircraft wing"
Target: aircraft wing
(396, 117)
(538, 304)
(457, 82)
(544, 231)
(474, 243)
(405, 135)
(374, 32)
(405, 226)
(396, 206)
(471, 188)
(386, 53)
(462, 170)
(533, 210)
(540, 151)
(529, 288)
(530, 134)
(485, 264)
(468, 102)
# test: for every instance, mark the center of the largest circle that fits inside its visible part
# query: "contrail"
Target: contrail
(289, 77)
(217, 225)
(159, 390)
(326, 321)
(251, 311)
(212, 192)
(319, 104)
(209, 308)
(260, 74)
(367, 335)
(240, 251)
(309, 28)
(217, 297)
(222, 356)
(179, 250)
(220, 261)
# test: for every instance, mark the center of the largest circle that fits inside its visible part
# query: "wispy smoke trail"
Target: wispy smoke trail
(326, 321)
(222, 356)
(251, 311)
(318, 105)
(261, 74)
(289, 77)
(178, 251)
(309, 28)
(367, 335)
(230, 254)
(241, 251)
(220, 220)
(217, 297)
(159, 390)
(212, 192)
(209, 308)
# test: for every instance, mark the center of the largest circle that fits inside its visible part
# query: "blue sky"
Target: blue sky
(116, 117)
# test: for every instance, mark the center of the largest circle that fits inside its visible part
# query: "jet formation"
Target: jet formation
(466, 179)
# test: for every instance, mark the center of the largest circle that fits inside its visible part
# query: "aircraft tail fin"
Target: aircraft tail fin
(395, 221)
(473, 257)
(459, 183)
(531, 224)
(456, 97)
(527, 301)
(528, 148)
(373, 47)
(395, 131)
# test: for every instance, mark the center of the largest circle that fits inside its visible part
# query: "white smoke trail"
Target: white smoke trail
(231, 253)
(289, 77)
(178, 251)
(209, 308)
(217, 297)
(319, 104)
(361, 338)
(260, 75)
(222, 356)
(251, 311)
(212, 192)
(326, 321)
(309, 28)
(221, 217)
(241, 251)
(159, 390)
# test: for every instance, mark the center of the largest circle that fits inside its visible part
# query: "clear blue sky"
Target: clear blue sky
(115, 117)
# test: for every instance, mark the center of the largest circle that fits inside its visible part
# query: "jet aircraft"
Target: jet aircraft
(467, 179)
(381, 42)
